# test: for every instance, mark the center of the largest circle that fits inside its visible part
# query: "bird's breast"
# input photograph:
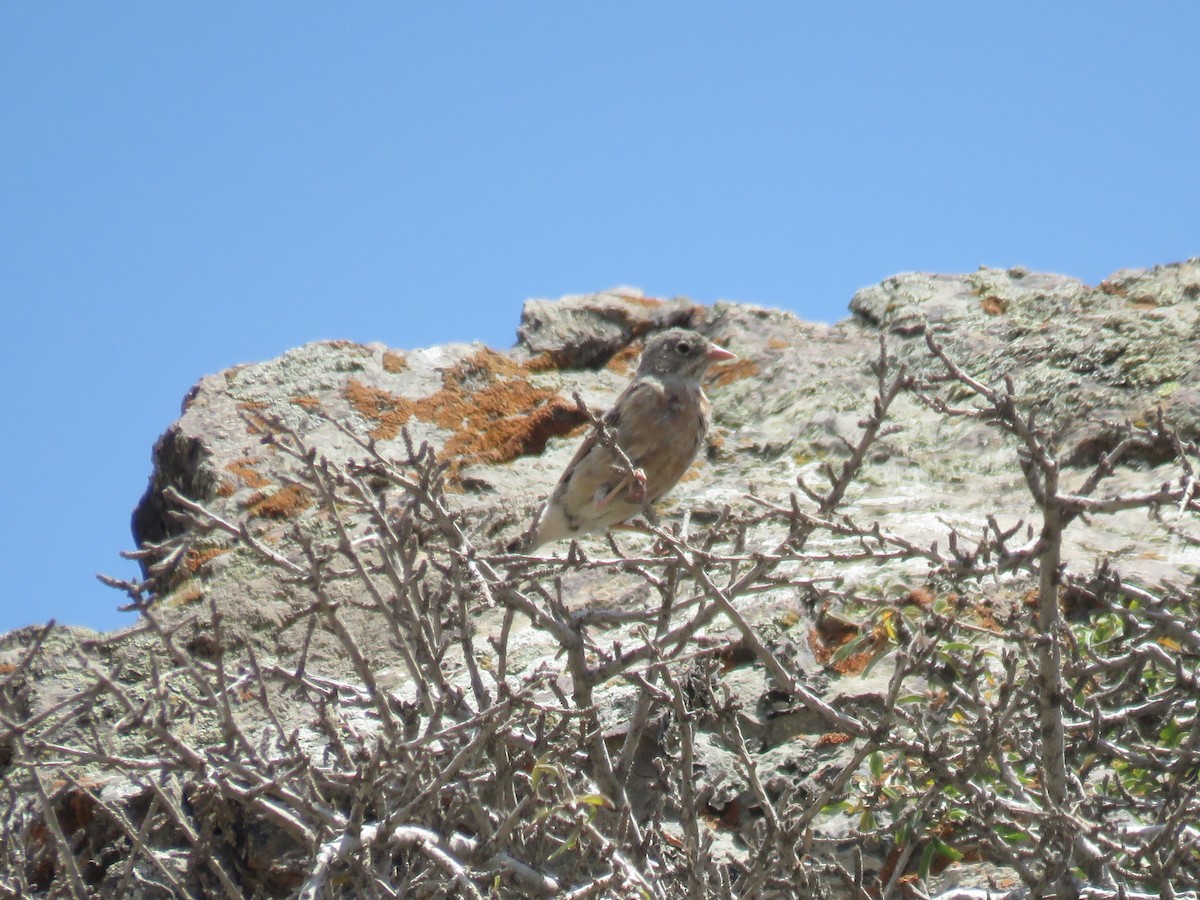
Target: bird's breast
(667, 451)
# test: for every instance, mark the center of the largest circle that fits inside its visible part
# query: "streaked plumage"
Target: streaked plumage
(659, 420)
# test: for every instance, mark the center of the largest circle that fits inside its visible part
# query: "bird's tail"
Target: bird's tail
(551, 525)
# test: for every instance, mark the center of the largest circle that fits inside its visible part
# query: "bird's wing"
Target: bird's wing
(626, 417)
(638, 417)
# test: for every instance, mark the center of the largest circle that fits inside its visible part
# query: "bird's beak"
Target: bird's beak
(718, 354)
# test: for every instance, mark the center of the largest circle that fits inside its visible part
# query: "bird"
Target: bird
(657, 425)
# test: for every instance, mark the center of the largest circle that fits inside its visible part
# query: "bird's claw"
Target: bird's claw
(636, 493)
(632, 486)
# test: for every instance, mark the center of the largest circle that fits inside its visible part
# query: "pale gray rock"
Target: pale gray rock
(506, 422)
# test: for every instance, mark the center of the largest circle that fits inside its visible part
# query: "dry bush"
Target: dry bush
(1063, 750)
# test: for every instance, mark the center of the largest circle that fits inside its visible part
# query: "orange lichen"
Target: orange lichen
(832, 739)
(254, 422)
(285, 503)
(194, 559)
(307, 402)
(918, 597)
(777, 344)
(993, 305)
(829, 635)
(185, 595)
(492, 412)
(854, 664)
(623, 360)
(389, 411)
(545, 361)
(244, 469)
(394, 361)
(505, 436)
(733, 371)
(986, 618)
(484, 361)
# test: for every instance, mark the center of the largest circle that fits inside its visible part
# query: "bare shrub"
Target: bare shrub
(1059, 747)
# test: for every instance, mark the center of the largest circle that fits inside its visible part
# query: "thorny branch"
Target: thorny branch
(432, 717)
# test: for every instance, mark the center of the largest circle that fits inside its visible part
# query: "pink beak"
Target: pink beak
(718, 354)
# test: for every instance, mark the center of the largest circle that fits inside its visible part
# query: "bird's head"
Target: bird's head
(680, 353)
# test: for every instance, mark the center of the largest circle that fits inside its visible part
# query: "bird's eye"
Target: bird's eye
(683, 348)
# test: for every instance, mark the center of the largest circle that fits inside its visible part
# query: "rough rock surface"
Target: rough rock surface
(506, 423)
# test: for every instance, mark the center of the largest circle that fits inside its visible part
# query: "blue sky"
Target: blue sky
(185, 187)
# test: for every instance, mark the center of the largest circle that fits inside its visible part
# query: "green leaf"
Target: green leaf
(595, 800)
(1013, 836)
(848, 649)
(1171, 734)
(946, 850)
(875, 765)
(540, 768)
(926, 860)
(569, 844)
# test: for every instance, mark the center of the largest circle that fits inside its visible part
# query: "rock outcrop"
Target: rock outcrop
(1087, 361)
